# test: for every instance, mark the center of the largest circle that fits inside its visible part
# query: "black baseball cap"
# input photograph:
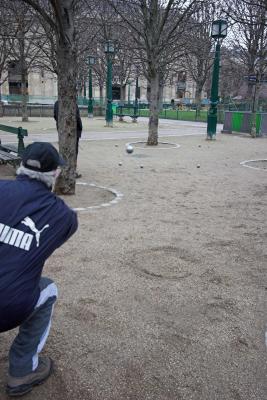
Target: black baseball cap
(41, 157)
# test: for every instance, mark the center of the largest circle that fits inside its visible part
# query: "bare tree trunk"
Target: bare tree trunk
(153, 110)
(23, 71)
(101, 91)
(62, 24)
(24, 94)
(249, 93)
(198, 99)
(67, 103)
(121, 91)
(161, 87)
(255, 104)
(1, 103)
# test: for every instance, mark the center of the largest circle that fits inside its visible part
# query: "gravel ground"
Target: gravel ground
(162, 295)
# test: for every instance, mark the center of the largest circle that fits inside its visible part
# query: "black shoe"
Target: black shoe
(78, 175)
(19, 386)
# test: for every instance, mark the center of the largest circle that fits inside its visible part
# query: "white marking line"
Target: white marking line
(173, 145)
(117, 194)
(138, 137)
(243, 163)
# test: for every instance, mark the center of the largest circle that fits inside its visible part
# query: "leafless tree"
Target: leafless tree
(59, 15)
(198, 58)
(28, 41)
(231, 74)
(7, 38)
(250, 30)
(157, 28)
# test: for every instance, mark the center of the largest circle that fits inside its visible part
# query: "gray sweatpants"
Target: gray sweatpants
(32, 335)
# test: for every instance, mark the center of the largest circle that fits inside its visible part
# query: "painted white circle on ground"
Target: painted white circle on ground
(116, 193)
(246, 162)
(169, 144)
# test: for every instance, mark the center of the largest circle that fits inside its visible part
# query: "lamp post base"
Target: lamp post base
(212, 123)
(109, 124)
(211, 137)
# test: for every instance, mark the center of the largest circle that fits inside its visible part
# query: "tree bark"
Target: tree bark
(198, 98)
(1, 103)
(249, 93)
(23, 71)
(67, 102)
(62, 24)
(255, 105)
(101, 93)
(24, 95)
(153, 110)
(121, 91)
(161, 87)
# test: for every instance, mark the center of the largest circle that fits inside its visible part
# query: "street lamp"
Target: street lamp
(109, 50)
(91, 62)
(218, 32)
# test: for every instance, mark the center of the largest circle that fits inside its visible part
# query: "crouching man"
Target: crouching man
(33, 223)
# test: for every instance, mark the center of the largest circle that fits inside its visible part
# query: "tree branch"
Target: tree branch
(44, 15)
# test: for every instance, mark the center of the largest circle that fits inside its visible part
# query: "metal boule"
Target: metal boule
(129, 148)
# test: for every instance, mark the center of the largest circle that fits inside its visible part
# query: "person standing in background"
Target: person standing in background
(79, 130)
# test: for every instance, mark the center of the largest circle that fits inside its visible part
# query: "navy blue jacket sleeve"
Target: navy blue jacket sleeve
(71, 227)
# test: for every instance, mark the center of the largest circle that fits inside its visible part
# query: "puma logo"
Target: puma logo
(30, 223)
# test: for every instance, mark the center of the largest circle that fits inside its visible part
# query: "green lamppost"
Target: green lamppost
(91, 62)
(218, 32)
(109, 50)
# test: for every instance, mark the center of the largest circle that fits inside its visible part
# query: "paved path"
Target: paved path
(43, 129)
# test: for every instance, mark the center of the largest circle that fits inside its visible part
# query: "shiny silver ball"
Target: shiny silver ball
(120, 164)
(129, 149)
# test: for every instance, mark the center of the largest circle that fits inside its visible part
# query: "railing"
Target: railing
(42, 106)
(184, 115)
(40, 110)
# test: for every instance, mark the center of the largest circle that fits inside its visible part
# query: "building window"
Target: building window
(15, 78)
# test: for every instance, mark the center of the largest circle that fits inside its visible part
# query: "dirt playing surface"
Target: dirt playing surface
(162, 296)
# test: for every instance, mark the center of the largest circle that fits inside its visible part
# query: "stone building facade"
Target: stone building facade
(42, 88)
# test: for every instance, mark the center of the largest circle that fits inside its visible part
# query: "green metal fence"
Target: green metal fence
(183, 115)
(179, 115)
(167, 112)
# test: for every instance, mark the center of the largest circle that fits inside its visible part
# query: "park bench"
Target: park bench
(127, 111)
(10, 153)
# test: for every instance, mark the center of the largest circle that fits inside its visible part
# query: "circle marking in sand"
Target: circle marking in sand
(116, 193)
(172, 145)
(243, 163)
